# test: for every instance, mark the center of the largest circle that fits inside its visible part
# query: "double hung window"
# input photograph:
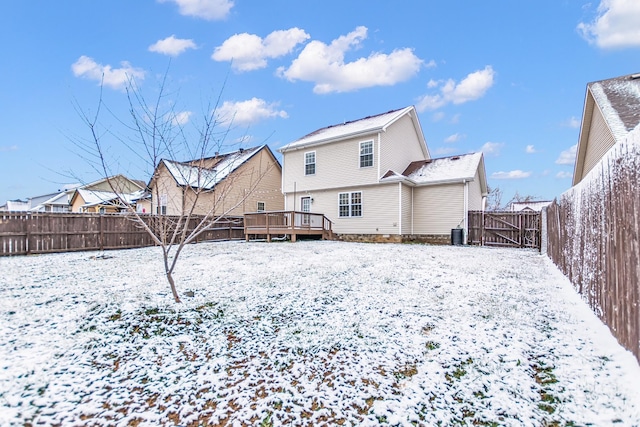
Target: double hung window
(366, 154)
(310, 163)
(350, 204)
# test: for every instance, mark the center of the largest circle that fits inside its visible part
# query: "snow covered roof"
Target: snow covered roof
(619, 101)
(187, 174)
(534, 205)
(446, 169)
(93, 197)
(353, 128)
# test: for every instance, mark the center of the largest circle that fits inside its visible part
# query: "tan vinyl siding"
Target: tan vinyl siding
(475, 194)
(400, 146)
(164, 186)
(380, 214)
(259, 177)
(406, 209)
(336, 163)
(600, 140)
(438, 209)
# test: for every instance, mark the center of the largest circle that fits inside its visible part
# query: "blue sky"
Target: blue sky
(504, 77)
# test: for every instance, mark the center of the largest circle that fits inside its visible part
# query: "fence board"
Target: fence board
(509, 229)
(593, 237)
(38, 233)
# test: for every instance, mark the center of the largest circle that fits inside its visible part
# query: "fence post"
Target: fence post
(100, 225)
(27, 226)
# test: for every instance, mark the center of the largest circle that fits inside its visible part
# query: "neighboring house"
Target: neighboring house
(92, 201)
(611, 112)
(54, 202)
(534, 205)
(375, 180)
(15, 206)
(107, 195)
(246, 180)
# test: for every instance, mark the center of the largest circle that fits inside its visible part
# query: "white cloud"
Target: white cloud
(455, 138)
(8, 148)
(115, 78)
(514, 174)
(249, 112)
(568, 156)
(210, 10)
(172, 46)
(530, 149)
(181, 118)
(442, 151)
(325, 65)
(471, 88)
(564, 174)
(573, 122)
(492, 148)
(250, 52)
(615, 26)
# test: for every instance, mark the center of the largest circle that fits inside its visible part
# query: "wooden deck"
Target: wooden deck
(286, 223)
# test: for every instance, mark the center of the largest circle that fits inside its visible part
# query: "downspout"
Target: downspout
(400, 209)
(379, 155)
(466, 209)
(412, 210)
(284, 192)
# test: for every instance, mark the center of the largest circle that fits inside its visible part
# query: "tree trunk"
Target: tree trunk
(173, 287)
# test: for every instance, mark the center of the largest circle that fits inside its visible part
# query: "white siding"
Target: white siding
(380, 214)
(337, 163)
(400, 146)
(407, 205)
(475, 194)
(438, 209)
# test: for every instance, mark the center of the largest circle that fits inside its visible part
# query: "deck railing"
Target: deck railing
(290, 223)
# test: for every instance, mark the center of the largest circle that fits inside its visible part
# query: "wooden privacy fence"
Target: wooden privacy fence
(511, 229)
(594, 238)
(37, 233)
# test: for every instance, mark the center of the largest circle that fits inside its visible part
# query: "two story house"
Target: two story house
(375, 180)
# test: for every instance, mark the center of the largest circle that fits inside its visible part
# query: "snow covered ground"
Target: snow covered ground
(310, 333)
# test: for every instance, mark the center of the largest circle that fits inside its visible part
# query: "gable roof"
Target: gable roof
(96, 197)
(115, 179)
(445, 169)
(618, 99)
(188, 174)
(363, 126)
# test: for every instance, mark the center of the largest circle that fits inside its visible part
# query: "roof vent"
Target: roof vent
(634, 76)
(455, 158)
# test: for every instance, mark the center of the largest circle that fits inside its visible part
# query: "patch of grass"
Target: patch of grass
(459, 370)
(432, 345)
(407, 371)
(266, 421)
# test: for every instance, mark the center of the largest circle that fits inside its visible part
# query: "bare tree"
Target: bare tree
(155, 135)
(494, 199)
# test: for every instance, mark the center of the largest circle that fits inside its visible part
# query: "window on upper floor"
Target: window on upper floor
(350, 204)
(366, 154)
(261, 206)
(310, 163)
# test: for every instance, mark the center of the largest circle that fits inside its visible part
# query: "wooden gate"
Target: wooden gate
(510, 229)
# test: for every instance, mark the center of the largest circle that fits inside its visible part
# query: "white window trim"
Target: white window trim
(264, 207)
(373, 159)
(351, 204)
(315, 163)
